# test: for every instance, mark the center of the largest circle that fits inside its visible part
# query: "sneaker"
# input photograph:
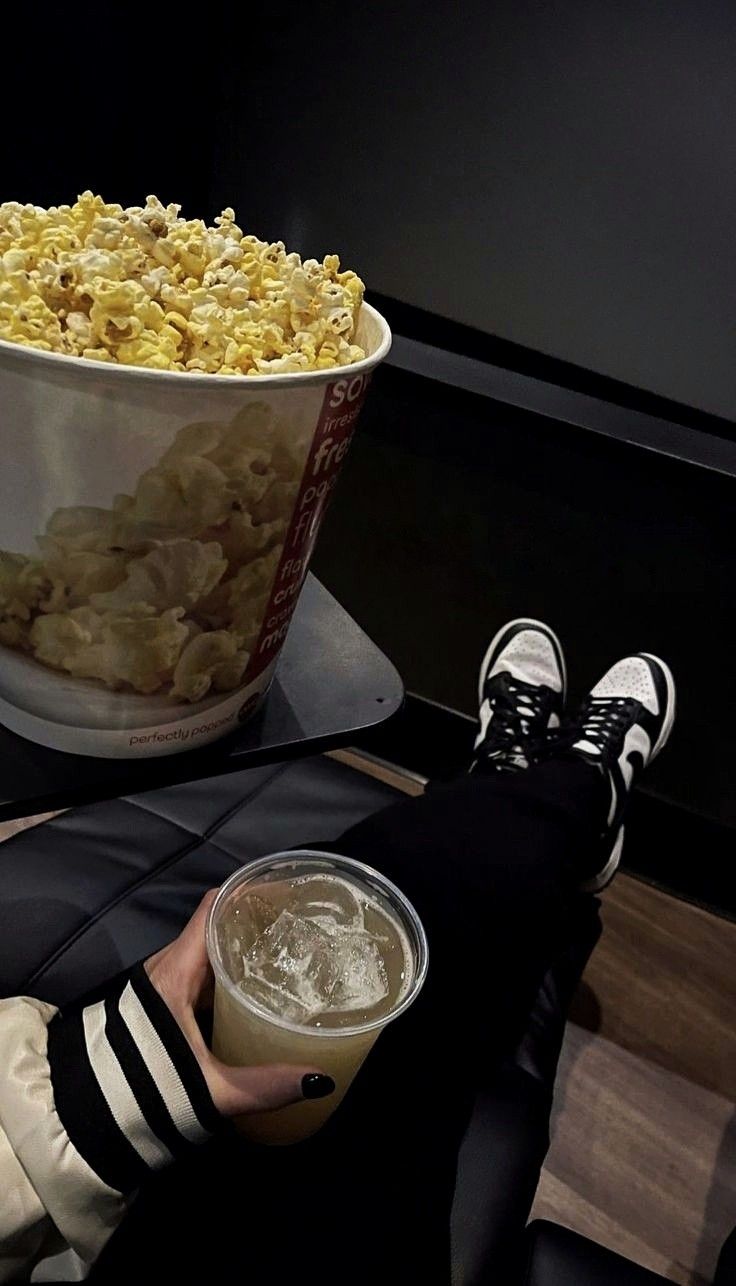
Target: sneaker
(521, 694)
(623, 724)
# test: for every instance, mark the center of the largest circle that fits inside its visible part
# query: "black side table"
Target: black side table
(332, 683)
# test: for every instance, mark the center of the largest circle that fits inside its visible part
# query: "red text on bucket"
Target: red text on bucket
(340, 409)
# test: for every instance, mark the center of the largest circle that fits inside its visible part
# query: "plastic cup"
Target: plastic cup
(155, 531)
(247, 1034)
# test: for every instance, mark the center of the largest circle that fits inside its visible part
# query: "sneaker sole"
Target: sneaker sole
(671, 711)
(601, 881)
(526, 621)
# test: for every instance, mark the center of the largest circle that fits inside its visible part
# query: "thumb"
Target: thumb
(239, 1090)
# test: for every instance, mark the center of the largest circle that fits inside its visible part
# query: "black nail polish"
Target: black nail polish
(315, 1085)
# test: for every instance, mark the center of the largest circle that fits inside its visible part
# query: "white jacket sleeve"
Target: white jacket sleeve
(91, 1101)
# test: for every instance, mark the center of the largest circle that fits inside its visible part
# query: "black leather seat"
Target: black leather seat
(556, 1256)
(96, 889)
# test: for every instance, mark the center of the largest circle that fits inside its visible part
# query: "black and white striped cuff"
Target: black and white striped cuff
(127, 1086)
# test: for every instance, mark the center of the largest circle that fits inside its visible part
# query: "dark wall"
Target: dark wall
(116, 100)
(560, 174)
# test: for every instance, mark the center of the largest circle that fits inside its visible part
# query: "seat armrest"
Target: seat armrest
(558, 1257)
(726, 1271)
(508, 1135)
(497, 1175)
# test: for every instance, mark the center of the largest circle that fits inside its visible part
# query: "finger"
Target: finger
(194, 961)
(192, 936)
(181, 971)
(240, 1090)
(236, 1091)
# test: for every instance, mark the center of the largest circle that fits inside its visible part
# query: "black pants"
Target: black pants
(492, 865)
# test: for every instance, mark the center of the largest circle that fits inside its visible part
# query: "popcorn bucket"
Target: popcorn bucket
(155, 532)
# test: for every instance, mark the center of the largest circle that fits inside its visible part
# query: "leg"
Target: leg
(492, 865)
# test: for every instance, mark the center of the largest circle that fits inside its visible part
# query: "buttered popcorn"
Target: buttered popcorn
(144, 287)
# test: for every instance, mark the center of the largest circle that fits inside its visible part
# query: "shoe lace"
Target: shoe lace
(605, 721)
(512, 714)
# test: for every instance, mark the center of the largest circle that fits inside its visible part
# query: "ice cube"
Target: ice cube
(328, 902)
(316, 956)
(361, 981)
(243, 922)
(290, 969)
(259, 913)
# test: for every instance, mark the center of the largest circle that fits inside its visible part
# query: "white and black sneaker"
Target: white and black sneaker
(623, 724)
(521, 694)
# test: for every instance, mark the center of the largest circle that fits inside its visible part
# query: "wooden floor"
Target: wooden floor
(8, 829)
(642, 1160)
(643, 1156)
(662, 984)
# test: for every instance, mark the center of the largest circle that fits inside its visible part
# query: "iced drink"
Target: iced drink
(313, 954)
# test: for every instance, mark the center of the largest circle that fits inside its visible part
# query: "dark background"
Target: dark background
(559, 175)
(562, 174)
